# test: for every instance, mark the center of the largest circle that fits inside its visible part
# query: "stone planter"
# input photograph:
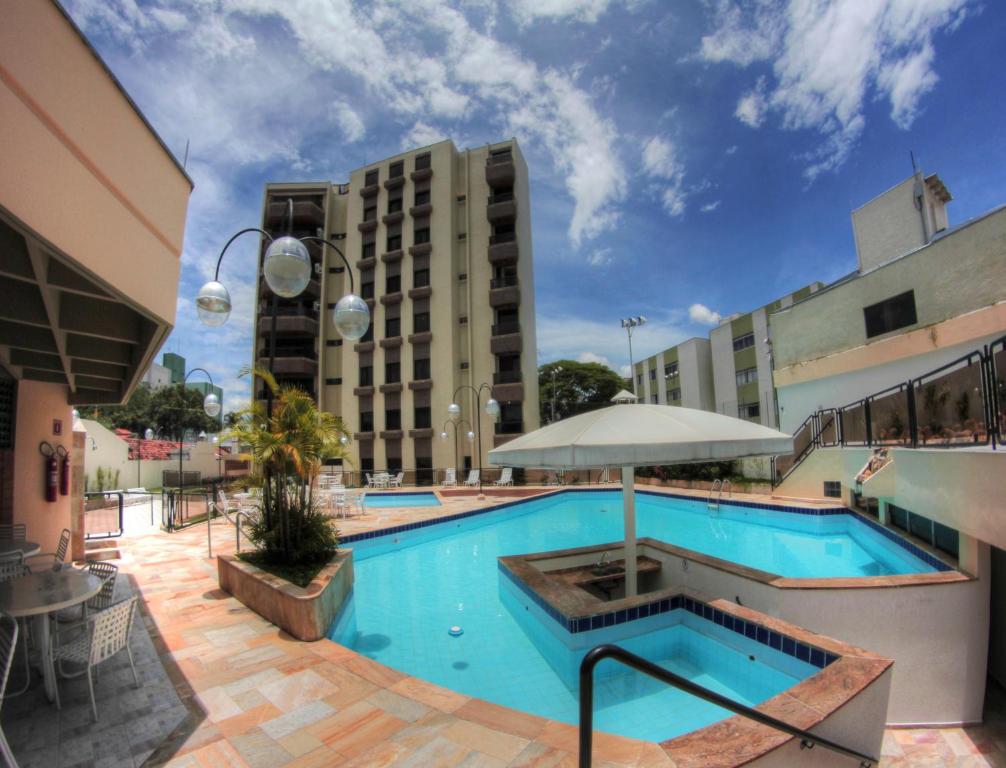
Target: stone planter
(304, 612)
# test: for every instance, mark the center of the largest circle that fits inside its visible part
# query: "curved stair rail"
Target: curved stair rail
(713, 501)
(594, 656)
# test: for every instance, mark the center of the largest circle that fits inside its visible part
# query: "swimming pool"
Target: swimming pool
(401, 500)
(412, 585)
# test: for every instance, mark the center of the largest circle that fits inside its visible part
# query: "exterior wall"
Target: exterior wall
(764, 391)
(78, 163)
(970, 259)
(157, 376)
(997, 614)
(695, 366)
(38, 404)
(721, 348)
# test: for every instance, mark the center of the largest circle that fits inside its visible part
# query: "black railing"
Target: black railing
(499, 158)
(601, 652)
(504, 282)
(102, 521)
(502, 237)
(961, 404)
(507, 377)
(507, 326)
(500, 197)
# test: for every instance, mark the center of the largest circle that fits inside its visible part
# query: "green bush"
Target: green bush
(313, 536)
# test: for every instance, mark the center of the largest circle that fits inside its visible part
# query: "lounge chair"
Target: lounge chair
(450, 478)
(396, 481)
(370, 480)
(506, 477)
(473, 479)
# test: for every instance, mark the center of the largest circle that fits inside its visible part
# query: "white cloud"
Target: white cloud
(660, 161)
(701, 314)
(591, 357)
(528, 11)
(732, 149)
(569, 337)
(600, 257)
(349, 122)
(710, 207)
(828, 57)
(421, 135)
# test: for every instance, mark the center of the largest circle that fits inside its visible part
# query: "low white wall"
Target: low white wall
(937, 634)
(807, 480)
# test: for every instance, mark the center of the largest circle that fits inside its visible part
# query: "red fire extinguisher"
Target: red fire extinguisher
(51, 470)
(64, 470)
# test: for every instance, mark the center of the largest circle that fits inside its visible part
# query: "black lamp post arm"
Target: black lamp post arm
(202, 370)
(220, 258)
(333, 246)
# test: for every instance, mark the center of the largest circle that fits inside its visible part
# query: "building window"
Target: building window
(743, 342)
(333, 382)
(392, 418)
(423, 417)
(394, 242)
(367, 462)
(371, 178)
(747, 376)
(420, 278)
(421, 323)
(653, 374)
(653, 399)
(366, 375)
(369, 250)
(421, 236)
(748, 411)
(674, 394)
(394, 205)
(392, 373)
(639, 379)
(423, 161)
(392, 327)
(393, 284)
(832, 489)
(333, 342)
(370, 213)
(890, 314)
(422, 196)
(369, 335)
(671, 369)
(396, 169)
(366, 421)
(421, 368)
(367, 289)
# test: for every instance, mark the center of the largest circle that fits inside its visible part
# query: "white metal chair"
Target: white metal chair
(396, 481)
(473, 478)
(506, 477)
(104, 634)
(12, 567)
(8, 646)
(450, 478)
(15, 531)
(370, 480)
(58, 558)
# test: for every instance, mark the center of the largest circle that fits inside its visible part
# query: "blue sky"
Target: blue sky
(687, 159)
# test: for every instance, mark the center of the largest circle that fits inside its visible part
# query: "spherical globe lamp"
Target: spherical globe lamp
(148, 434)
(351, 317)
(287, 267)
(492, 408)
(344, 440)
(211, 404)
(454, 411)
(213, 304)
(470, 436)
(443, 436)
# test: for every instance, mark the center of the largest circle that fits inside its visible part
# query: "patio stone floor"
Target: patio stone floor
(253, 696)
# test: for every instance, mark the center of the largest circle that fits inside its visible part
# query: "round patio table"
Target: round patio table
(26, 548)
(39, 594)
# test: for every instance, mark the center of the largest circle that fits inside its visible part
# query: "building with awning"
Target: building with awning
(92, 218)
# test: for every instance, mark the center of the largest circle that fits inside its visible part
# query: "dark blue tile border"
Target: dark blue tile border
(402, 493)
(891, 535)
(749, 629)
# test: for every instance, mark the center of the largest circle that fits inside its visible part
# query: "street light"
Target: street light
(556, 370)
(628, 324)
(492, 410)
(455, 423)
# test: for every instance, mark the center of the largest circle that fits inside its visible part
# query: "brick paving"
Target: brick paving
(256, 697)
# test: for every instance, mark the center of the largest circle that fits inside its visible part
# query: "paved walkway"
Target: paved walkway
(256, 697)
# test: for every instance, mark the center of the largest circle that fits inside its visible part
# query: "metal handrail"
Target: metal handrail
(106, 494)
(717, 485)
(607, 651)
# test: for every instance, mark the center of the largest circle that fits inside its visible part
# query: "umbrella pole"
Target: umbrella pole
(629, 511)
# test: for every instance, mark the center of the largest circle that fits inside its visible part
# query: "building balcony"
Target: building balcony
(500, 171)
(313, 289)
(370, 190)
(364, 435)
(506, 328)
(418, 211)
(392, 218)
(422, 292)
(508, 392)
(503, 249)
(421, 174)
(298, 350)
(369, 301)
(367, 226)
(423, 337)
(392, 257)
(392, 298)
(503, 210)
(307, 214)
(364, 346)
(499, 440)
(507, 377)
(366, 391)
(509, 427)
(422, 432)
(288, 325)
(391, 342)
(395, 182)
(506, 344)
(299, 367)
(504, 297)
(420, 249)
(395, 386)
(392, 434)
(420, 384)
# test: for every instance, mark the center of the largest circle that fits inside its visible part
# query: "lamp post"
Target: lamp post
(492, 409)
(556, 370)
(455, 424)
(628, 324)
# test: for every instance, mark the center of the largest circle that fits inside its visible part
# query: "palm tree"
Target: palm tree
(289, 446)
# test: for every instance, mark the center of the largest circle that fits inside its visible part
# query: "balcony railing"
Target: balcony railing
(509, 427)
(509, 326)
(500, 158)
(503, 237)
(507, 377)
(500, 197)
(510, 281)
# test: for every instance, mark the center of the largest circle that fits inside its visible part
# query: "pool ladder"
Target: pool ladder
(716, 493)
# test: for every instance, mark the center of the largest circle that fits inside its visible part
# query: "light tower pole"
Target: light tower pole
(628, 324)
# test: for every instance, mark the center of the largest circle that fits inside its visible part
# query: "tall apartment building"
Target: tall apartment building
(440, 246)
(730, 372)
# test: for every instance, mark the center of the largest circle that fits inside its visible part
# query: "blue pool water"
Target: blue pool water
(411, 587)
(401, 500)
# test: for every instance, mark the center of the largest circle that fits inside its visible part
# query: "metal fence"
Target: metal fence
(959, 405)
(103, 514)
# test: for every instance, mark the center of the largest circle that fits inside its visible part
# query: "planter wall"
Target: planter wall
(304, 612)
(706, 485)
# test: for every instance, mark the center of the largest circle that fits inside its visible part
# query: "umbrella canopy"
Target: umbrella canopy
(634, 435)
(624, 396)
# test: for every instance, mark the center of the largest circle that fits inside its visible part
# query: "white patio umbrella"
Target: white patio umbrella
(624, 396)
(639, 435)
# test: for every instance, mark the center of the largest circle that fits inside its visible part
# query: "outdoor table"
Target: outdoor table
(26, 548)
(39, 594)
